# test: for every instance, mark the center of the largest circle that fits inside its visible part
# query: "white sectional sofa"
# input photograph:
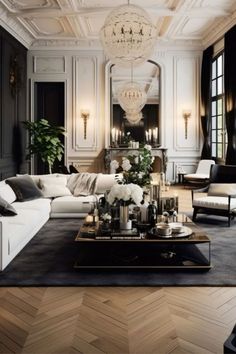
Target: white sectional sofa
(16, 231)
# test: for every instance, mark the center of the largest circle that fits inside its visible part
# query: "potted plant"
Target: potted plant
(44, 141)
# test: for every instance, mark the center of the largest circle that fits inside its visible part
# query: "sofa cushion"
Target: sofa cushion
(6, 192)
(73, 205)
(43, 205)
(6, 209)
(54, 186)
(195, 176)
(222, 189)
(19, 227)
(106, 181)
(24, 188)
(212, 202)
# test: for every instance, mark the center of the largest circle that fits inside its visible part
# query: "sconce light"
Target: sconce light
(186, 115)
(85, 116)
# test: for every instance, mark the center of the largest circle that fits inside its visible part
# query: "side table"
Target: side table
(181, 177)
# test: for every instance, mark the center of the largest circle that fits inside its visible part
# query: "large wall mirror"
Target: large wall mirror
(147, 130)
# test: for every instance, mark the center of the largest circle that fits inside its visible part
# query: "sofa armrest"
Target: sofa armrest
(199, 190)
(3, 244)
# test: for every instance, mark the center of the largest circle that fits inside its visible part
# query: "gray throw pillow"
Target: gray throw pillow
(6, 209)
(24, 188)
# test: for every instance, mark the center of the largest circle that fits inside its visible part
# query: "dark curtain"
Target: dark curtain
(230, 94)
(205, 101)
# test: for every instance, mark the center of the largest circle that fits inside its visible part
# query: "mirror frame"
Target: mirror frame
(108, 102)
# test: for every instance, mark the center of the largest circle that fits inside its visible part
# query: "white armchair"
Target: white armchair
(202, 173)
(219, 196)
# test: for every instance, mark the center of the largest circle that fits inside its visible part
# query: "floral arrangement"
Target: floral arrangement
(126, 194)
(126, 138)
(136, 168)
(106, 217)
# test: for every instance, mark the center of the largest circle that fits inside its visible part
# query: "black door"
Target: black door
(49, 104)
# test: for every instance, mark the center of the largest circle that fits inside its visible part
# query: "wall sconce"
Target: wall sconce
(85, 116)
(186, 115)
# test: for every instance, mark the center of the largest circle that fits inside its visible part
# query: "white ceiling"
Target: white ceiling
(77, 22)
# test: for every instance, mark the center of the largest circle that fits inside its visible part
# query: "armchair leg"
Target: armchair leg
(194, 214)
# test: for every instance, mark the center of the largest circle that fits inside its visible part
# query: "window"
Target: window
(218, 130)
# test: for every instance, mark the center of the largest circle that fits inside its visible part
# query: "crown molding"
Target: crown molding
(14, 28)
(217, 30)
(95, 44)
(71, 44)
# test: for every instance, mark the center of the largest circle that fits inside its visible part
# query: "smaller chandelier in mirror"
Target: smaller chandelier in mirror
(133, 117)
(132, 97)
(128, 35)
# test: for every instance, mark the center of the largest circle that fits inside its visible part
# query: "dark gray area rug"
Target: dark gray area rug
(49, 257)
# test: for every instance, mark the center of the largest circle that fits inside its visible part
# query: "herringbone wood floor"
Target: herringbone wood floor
(116, 320)
(111, 320)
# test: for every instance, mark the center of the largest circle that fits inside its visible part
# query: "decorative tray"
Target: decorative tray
(186, 232)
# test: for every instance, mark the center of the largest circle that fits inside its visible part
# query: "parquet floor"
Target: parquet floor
(116, 320)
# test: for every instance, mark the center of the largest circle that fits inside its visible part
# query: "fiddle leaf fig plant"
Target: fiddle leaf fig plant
(45, 141)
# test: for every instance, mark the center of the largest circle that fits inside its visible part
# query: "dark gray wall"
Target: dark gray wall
(13, 71)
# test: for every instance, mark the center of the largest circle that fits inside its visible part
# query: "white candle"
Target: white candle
(146, 134)
(113, 135)
(150, 134)
(155, 133)
(117, 135)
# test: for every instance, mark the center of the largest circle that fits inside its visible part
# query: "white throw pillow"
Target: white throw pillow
(54, 186)
(106, 181)
(7, 193)
(222, 189)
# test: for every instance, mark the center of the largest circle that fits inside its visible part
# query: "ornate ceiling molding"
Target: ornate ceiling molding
(15, 28)
(217, 30)
(189, 24)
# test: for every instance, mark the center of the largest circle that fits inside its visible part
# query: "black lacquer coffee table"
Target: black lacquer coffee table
(100, 248)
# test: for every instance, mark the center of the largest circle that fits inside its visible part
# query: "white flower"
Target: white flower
(152, 159)
(125, 192)
(114, 164)
(106, 217)
(126, 164)
(136, 160)
(148, 147)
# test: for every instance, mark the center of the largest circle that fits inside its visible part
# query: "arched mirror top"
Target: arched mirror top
(147, 130)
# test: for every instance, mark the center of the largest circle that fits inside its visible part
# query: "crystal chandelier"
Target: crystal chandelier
(134, 117)
(128, 35)
(131, 97)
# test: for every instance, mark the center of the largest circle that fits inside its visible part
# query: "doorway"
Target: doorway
(50, 105)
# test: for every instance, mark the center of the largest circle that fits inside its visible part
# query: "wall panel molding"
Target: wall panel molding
(84, 97)
(49, 64)
(186, 96)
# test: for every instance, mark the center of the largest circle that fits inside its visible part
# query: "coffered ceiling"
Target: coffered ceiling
(67, 23)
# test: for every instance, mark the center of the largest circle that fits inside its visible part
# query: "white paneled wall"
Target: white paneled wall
(84, 97)
(84, 75)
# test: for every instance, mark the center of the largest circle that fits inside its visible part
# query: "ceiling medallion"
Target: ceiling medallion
(128, 35)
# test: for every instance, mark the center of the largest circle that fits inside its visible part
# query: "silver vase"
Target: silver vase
(125, 223)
